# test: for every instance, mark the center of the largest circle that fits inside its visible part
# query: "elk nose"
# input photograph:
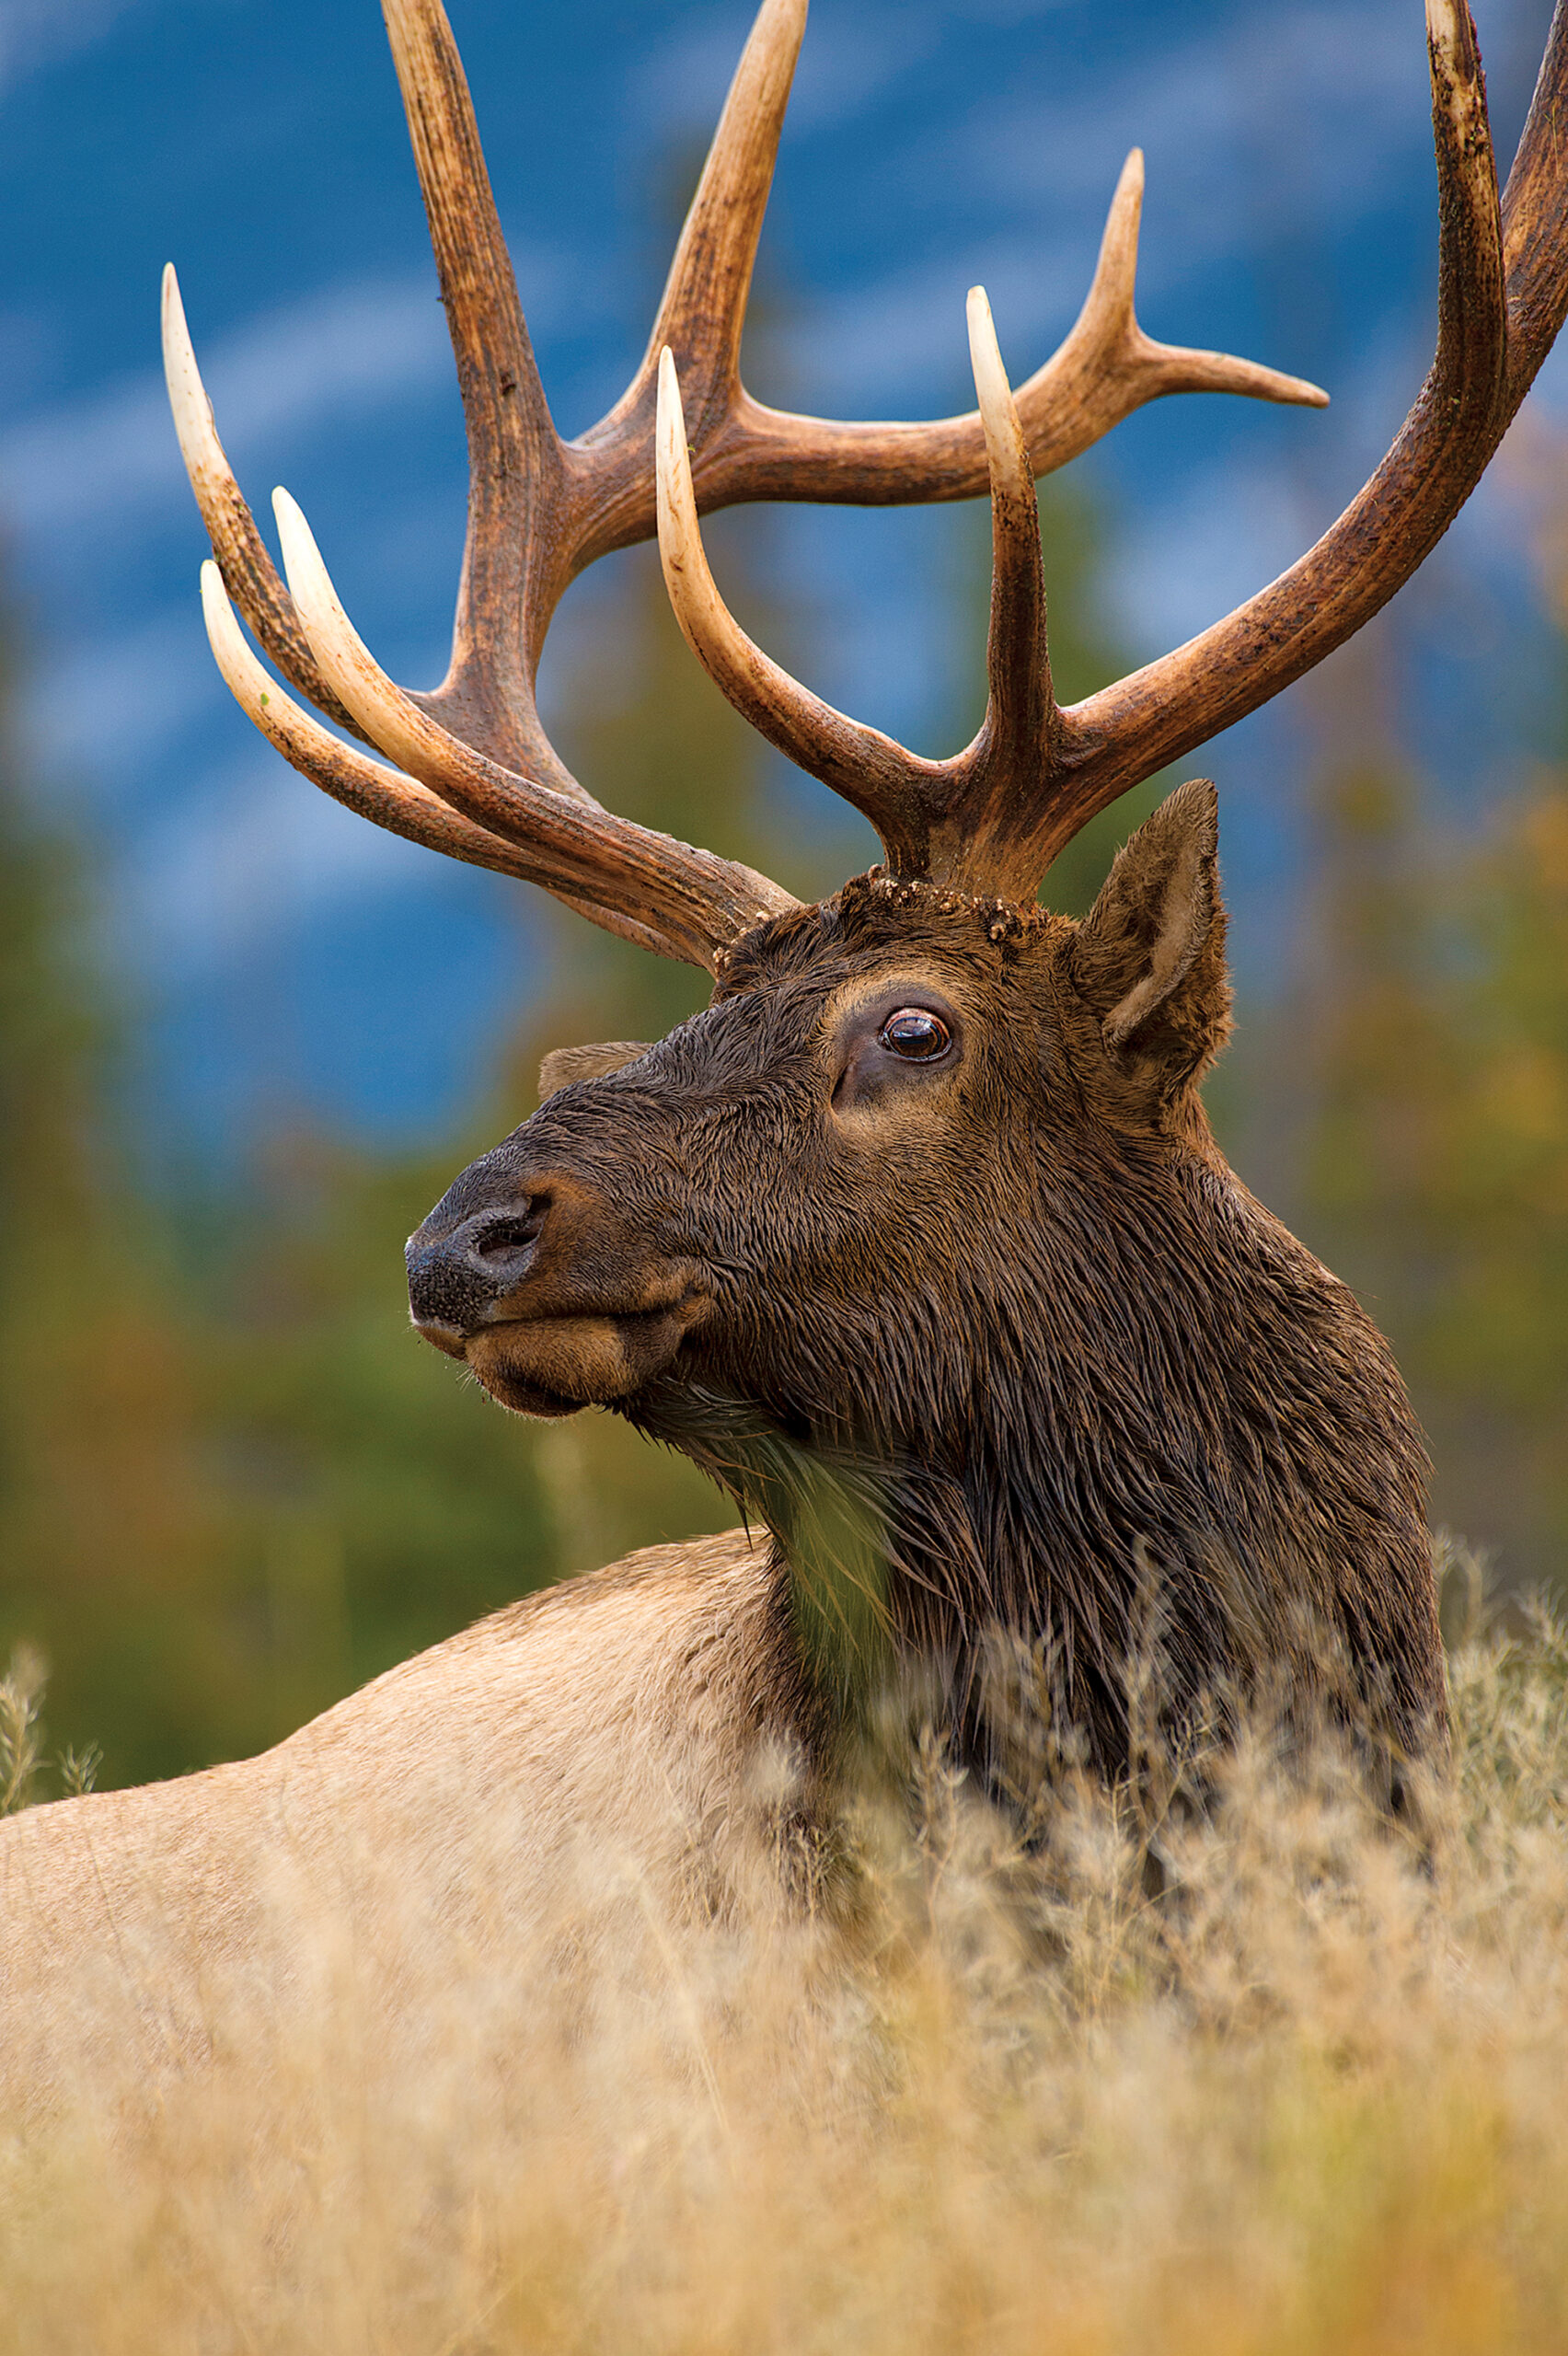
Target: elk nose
(456, 1279)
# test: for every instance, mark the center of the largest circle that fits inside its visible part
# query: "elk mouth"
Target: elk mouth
(552, 1301)
(554, 1366)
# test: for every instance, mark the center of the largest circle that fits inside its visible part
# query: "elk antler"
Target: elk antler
(477, 777)
(918, 807)
(994, 817)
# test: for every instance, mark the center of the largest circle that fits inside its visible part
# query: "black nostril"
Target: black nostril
(454, 1281)
(502, 1237)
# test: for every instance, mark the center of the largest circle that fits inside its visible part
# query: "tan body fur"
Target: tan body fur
(594, 1758)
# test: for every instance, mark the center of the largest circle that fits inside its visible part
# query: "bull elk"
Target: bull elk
(917, 1239)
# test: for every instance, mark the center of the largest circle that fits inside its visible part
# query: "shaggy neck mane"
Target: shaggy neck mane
(1172, 1438)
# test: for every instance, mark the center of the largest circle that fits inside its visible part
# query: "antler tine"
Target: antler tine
(867, 768)
(365, 786)
(656, 874)
(390, 719)
(1535, 222)
(996, 781)
(1108, 366)
(247, 568)
(702, 311)
(1105, 369)
(394, 803)
(516, 563)
(1129, 731)
(963, 821)
(642, 885)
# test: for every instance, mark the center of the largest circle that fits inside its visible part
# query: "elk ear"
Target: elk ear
(565, 1065)
(1149, 959)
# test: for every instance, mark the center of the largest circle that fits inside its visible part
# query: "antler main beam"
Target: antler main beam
(1501, 295)
(992, 819)
(540, 508)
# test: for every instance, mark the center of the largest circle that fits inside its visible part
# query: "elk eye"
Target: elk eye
(915, 1034)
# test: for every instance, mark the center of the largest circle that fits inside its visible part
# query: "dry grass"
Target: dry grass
(1313, 2098)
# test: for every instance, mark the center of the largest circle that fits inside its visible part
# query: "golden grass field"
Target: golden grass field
(1313, 2098)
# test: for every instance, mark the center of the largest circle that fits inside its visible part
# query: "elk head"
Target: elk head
(927, 1192)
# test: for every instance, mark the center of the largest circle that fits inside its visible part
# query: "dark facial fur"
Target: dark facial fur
(991, 1338)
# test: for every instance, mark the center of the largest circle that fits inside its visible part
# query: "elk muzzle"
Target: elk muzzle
(552, 1298)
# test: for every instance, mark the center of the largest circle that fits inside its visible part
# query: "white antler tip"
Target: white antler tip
(192, 411)
(669, 385)
(309, 584)
(175, 334)
(985, 353)
(672, 459)
(178, 350)
(382, 710)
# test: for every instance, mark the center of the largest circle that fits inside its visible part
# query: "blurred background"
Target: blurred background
(246, 1040)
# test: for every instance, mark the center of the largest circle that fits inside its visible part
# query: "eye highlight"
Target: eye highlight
(915, 1035)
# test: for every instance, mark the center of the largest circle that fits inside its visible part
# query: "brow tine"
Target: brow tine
(484, 792)
(682, 893)
(390, 800)
(247, 568)
(376, 792)
(692, 916)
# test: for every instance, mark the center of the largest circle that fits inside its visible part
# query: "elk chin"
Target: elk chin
(556, 1365)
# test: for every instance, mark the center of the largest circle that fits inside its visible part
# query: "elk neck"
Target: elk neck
(1171, 1430)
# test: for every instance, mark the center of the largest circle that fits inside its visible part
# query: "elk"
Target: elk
(916, 1238)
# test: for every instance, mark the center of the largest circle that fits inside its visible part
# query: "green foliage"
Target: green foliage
(1432, 1036)
(100, 1511)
